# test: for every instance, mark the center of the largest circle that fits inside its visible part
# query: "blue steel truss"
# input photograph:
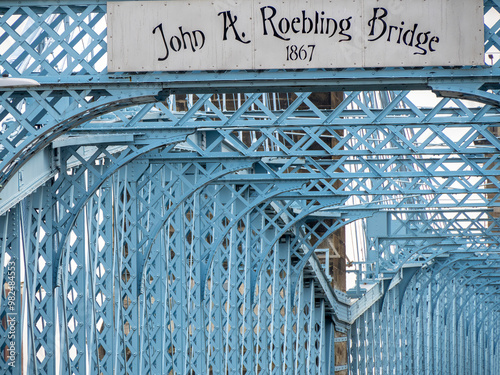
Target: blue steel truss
(171, 223)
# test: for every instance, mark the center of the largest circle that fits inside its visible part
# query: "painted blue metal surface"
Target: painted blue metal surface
(174, 231)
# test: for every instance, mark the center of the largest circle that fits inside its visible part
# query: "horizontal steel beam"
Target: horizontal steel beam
(37, 171)
(279, 81)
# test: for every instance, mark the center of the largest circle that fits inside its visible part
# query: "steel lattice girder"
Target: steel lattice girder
(132, 229)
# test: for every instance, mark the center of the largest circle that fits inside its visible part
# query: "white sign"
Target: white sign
(293, 34)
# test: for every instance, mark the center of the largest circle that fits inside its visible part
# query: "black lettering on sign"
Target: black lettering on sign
(229, 22)
(378, 22)
(194, 40)
(294, 52)
(315, 23)
(409, 36)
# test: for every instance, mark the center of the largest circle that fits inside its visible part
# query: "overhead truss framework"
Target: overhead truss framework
(168, 223)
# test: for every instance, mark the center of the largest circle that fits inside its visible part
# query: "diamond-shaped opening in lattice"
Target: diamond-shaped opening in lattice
(171, 326)
(226, 327)
(6, 260)
(72, 266)
(3, 320)
(306, 327)
(72, 295)
(126, 302)
(73, 352)
(100, 213)
(241, 309)
(225, 221)
(128, 353)
(126, 328)
(40, 294)
(171, 350)
(40, 353)
(209, 214)
(189, 214)
(282, 274)
(256, 329)
(209, 238)
(6, 289)
(100, 271)
(72, 238)
(189, 237)
(100, 325)
(4, 349)
(100, 298)
(40, 324)
(491, 17)
(8, 42)
(282, 311)
(125, 275)
(101, 352)
(241, 288)
(72, 324)
(282, 292)
(270, 290)
(282, 331)
(241, 226)
(101, 243)
(210, 327)
(41, 234)
(243, 329)
(492, 55)
(172, 253)
(41, 264)
(306, 310)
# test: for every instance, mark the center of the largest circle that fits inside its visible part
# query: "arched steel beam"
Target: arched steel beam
(350, 218)
(442, 268)
(312, 208)
(464, 284)
(153, 234)
(447, 266)
(493, 306)
(91, 190)
(452, 277)
(455, 239)
(216, 245)
(469, 91)
(285, 186)
(477, 288)
(406, 276)
(16, 158)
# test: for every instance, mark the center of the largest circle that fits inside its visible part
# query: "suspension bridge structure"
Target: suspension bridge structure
(197, 222)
